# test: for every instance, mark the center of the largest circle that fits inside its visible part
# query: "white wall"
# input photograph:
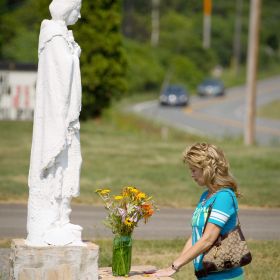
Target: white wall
(17, 94)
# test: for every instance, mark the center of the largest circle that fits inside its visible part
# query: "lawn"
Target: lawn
(121, 149)
(231, 78)
(161, 253)
(270, 110)
(265, 264)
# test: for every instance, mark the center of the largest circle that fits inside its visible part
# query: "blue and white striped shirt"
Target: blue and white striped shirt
(224, 215)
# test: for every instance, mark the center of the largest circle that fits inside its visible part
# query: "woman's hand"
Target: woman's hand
(165, 272)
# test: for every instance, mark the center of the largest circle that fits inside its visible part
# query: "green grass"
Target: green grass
(161, 253)
(270, 110)
(231, 79)
(265, 264)
(121, 149)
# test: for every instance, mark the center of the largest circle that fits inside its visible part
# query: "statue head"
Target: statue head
(67, 10)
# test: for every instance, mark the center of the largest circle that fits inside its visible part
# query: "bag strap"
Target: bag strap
(208, 215)
(210, 210)
(236, 210)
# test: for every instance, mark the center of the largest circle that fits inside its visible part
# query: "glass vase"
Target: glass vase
(121, 262)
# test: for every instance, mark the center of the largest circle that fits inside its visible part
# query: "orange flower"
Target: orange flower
(150, 212)
(146, 206)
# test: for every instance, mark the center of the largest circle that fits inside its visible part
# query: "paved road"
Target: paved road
(220, 117)
(168, 223)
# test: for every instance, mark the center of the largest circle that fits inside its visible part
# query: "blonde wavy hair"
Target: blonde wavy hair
(215, 167)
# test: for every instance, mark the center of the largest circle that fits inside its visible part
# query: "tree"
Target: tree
(103, 62)
(3, 6)
(20, 29)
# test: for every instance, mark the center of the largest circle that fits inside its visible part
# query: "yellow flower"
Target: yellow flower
(135, 191)
(98, 190)
(127, 191)
(128, 222)
(141, 195)
(131, 189)
(118, 197)
(103, 192)
(126, 208)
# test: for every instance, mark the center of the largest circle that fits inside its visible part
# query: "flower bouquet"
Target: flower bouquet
(124, 212)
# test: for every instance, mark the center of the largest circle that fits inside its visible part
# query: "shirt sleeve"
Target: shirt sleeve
(222, 209)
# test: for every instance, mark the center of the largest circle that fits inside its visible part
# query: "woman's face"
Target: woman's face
(197, 175)
(73, 16)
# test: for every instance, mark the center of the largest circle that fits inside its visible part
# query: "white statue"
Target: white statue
(54, 174)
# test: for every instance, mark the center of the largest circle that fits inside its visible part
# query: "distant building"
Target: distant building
(17, 91)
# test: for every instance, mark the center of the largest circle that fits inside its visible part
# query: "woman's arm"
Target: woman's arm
(188, 245)
(210, 235)
(189, 252)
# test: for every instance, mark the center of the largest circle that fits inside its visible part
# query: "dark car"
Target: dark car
(174, 95)
(211, 87)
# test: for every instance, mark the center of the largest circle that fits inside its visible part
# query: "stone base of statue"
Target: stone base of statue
(136, 273)
(53, 262)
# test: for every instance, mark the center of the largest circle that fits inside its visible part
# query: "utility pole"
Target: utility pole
(252, 65)
(237, 36)
(207, 9)
(155, 23)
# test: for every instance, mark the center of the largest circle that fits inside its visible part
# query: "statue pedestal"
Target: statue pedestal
(136, 273)
(53, 262)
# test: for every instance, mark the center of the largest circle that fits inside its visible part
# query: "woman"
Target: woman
(55, 162)
(209, 168)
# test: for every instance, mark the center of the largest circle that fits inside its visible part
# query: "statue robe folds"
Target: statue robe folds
(55, 163)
